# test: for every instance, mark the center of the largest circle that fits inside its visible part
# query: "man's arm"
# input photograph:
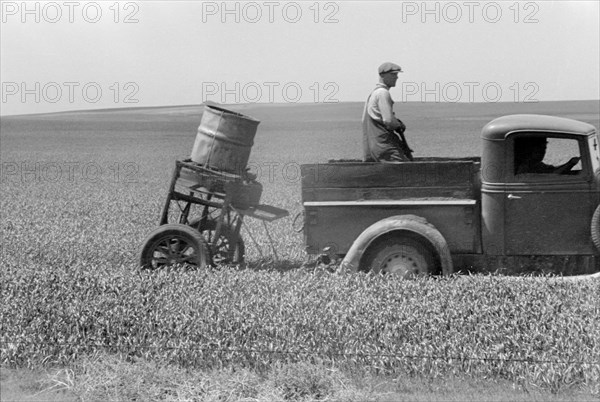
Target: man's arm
(541, 167)
(562, 169)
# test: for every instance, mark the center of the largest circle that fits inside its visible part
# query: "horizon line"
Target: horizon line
(233, 105)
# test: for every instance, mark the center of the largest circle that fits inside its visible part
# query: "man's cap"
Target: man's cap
(389, 68)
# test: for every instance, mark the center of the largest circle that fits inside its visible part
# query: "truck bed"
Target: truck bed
(422, 178)
(343, 198)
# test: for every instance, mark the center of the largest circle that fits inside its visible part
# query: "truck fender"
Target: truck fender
(411, 223)
(595, 228)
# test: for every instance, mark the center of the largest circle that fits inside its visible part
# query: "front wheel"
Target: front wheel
(173, 244)
(402, 256)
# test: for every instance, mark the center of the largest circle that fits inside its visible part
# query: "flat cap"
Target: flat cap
(389, 68)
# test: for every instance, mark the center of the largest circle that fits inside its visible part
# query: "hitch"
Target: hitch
(327, 257)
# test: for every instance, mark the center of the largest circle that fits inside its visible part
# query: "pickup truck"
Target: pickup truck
(493, 213)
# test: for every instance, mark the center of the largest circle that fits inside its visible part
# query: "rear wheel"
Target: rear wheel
(173, 244)
(225, 252)
(401, 256)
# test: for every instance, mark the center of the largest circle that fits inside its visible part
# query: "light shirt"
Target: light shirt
(380, 107)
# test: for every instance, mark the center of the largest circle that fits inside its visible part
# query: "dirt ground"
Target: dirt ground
(30, 386)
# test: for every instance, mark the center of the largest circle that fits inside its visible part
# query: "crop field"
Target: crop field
(81, 190)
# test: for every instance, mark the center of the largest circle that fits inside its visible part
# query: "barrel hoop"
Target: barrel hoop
(223, 138)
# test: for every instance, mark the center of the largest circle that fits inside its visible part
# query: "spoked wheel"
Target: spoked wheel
(173, 244)
(224, 252)
(404, 257)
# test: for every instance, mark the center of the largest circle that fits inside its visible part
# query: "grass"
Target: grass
(541, 332)
(111, 378)
(72, 298)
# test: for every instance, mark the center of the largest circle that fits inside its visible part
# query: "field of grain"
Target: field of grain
(81, 190)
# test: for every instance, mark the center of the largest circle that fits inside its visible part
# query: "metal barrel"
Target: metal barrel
(224, 140)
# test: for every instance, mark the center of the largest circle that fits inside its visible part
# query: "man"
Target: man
(529, 154)
(378, 121)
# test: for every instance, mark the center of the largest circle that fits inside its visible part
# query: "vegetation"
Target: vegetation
(71, 290)
(537, 331)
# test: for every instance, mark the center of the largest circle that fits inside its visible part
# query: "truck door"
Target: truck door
(550, 202)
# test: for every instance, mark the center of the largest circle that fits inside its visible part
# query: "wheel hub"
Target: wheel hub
(406, 263)
(172, 251)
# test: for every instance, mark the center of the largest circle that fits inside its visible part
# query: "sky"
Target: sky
(72, 55)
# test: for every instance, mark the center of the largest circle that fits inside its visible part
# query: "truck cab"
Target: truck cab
(529, 204)
(529, 211)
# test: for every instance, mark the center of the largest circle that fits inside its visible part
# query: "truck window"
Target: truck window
(538, 155)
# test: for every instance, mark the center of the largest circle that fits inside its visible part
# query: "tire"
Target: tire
(223, 253)
(595, 228)
(402, 256)
(173, 244)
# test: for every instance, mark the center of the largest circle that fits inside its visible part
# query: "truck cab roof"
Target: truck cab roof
(498, 129)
